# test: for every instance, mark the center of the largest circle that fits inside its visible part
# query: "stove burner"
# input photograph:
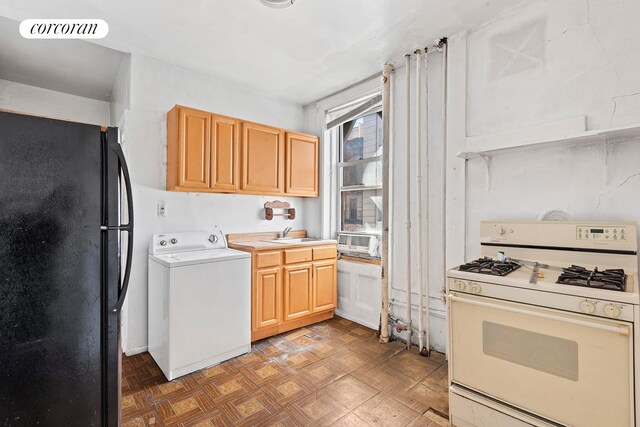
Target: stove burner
(613, 279)
(490, 266)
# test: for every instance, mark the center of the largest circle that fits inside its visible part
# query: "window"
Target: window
(360, 172)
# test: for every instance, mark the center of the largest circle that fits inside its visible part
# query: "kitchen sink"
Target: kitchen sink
(294, 240)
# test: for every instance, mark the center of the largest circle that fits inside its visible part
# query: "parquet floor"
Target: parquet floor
(332, 373)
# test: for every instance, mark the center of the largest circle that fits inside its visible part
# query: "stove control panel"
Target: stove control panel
(604, 308)
(466, 286)
(610, 233)
(596, 307)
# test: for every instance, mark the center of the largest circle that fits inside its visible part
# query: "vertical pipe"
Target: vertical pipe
(418, 125)
(391, 173)
(443, 173)
(408, 183)
(386, 121)
(426, 350)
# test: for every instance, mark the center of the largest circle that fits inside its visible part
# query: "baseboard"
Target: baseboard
(356, 320)
(137, 350)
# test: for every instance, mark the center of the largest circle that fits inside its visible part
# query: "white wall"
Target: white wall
(359, 296)
(540, 63)
(44, 102)
(431, 199)
(155, 88)
(572, 58)
(121, 94)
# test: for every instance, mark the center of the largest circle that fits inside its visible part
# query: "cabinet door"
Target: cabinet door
(297, 291)
(193, 151)
(225, 150)
(324, 285)
(301, 165)
(262, 159)
(267, 295)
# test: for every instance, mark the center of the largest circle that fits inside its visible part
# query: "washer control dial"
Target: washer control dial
(587, 306)
(612, 310)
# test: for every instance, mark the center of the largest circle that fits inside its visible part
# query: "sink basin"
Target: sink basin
(293, 240)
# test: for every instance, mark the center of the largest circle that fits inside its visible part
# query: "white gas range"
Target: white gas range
(544, 331)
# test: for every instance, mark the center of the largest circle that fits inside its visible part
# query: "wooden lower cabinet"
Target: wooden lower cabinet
(292, 294)
(325, 275)
(266, 298)
(297, 291)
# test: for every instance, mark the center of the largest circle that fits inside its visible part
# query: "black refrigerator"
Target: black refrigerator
(65, 218)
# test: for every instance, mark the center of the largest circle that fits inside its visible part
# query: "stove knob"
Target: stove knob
(612, 310)
(475, 288)
(163, 243)
(459, 285)
(174, 241)
(587, 306)
(502, 231)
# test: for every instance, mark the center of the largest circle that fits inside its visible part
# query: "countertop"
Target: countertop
(259, 245)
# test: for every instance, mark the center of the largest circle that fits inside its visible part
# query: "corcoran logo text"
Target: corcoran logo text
(64, 28)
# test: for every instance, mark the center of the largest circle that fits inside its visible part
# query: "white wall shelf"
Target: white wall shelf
(583, 138)
(607, 137)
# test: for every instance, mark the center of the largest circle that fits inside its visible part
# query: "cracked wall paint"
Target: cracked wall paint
(565, 178)
(588, 66)
(591, 68)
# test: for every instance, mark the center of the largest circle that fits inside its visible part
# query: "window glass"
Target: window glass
(367, 174)
(362, 211)
(362, 138)
(361, 175)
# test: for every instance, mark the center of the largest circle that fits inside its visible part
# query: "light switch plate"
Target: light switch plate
(162, 209)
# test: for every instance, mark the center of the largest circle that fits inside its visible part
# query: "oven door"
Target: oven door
(569, 368)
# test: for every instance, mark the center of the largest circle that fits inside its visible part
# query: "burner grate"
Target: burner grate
(613, 279)
(489, 266)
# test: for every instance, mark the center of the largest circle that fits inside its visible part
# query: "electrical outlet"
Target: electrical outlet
(162, 209)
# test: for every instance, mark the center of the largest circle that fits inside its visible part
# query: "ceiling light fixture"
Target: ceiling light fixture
(278, 3)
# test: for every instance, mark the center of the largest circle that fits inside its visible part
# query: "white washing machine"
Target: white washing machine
(199, 301)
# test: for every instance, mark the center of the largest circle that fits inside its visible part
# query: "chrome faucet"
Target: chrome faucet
(285, 232)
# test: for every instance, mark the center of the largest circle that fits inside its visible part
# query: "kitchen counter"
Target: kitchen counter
(260, 245)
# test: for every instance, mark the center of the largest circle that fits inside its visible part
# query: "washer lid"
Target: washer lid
(182, 259)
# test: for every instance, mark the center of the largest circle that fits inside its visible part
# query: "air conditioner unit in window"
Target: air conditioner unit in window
(362, 245)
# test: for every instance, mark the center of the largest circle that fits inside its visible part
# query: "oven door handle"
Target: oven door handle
(620, 329)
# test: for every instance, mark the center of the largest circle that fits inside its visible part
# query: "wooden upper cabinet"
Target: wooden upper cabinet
(207, 152)
(297, 291)
(301, 165)
(325, 275)
(188, 145)
(262, 159)
(225, 153)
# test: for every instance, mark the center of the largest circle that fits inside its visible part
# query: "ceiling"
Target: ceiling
(70, 66)
(302, 53)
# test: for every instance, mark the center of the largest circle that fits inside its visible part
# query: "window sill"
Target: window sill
(361, 260)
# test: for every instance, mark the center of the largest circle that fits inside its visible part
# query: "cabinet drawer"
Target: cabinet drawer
(292, 256)
(267, 259)
(324, 253)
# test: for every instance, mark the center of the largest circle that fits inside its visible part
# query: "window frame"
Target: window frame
(340, 170)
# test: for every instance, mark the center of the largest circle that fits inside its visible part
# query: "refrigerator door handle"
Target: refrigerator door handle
(128, 227)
